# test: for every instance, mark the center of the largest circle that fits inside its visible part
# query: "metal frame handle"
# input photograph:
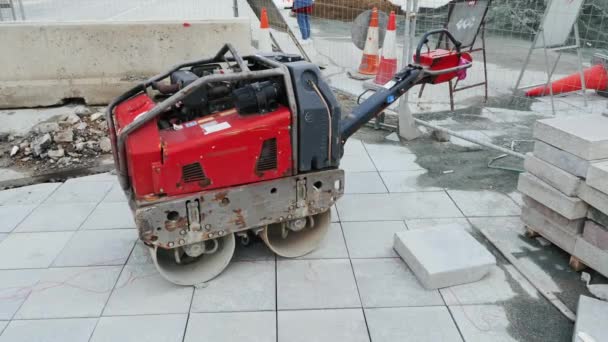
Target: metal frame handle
(425, 39)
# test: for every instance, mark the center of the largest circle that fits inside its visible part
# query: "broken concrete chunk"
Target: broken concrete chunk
(443, 257)
(585, 137)
(552, 175)
(597, 176)
(81, 126)
(46, 127)
(572, 226)
(82, 110)
(105, 144)
(58, 153)
(596, 199)
(66, 135)
(14, 151)
(596, 235)
(591, 318)
(72, 119)
(570, 207)
(96, 116)
(40, 144)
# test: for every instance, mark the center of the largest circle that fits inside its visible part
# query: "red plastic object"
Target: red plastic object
(595, 77)
(215, 151)
(441, 59)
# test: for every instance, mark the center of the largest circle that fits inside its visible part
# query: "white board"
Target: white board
(559, 21)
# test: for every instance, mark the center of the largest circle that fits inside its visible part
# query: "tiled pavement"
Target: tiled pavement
(71, 270)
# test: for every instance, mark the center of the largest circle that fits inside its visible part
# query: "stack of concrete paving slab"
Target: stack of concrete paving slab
(565, 187)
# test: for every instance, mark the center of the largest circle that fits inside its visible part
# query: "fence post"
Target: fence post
(407, 124)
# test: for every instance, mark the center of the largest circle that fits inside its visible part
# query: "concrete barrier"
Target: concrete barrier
(42, 64)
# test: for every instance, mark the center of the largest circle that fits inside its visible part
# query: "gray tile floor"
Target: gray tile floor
(72, 270)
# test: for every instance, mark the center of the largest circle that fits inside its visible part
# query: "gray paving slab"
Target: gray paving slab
(354, 147)
(484, 203)
(560, 236)
(49, 330)
(597, 176)
(15, 286)
(392, 157)
(243, 286)
(406, 181)
(505, 231)
(562, 159)
(357, 163)
(97, 248)
(573, 226)
(592, 256)
(115, 215)
(12, 215)
(502, 284)
(597, 216)
(364, 183)
(443, 257)
(3, 325)
(316, 284)
(594, 198)
(70, 292)
(56, 217)
(517, 197)
(3, 236)
(411, 324)
(141, 290)
(27, 195)
(478, 323)
(31, 250)
(332, 246)
(396, 206)
(591, 318)
(116, 194)
(447, 223)
(232, 327)
(148, 328)
(596, 235)
(552, 175)
(322, 326)
(75, 192)
(390, 283)
(373, 239)
(569, 207)
(585, 137)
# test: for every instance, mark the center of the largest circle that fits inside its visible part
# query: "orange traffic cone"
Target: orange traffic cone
(388, 62)
(264, 43)
(596, 78)
(369, 62)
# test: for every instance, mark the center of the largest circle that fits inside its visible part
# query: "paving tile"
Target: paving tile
(27, 195)
(31, 250)
(393, 159)
(322, 326)
(3, 236)
(232, 327)
(70, 292)
(354, 147)
(406, 181)
(443, 223)
(148, 328)
(503, 283)
(411, 324)
(141, 290)
(3, 325)
(76, 192)
(484, 203)
(116, 194)
(56, 217)
(334, 214)
(390, 283)
(483, 323)
(97, 248)
(15, 286)
(371, 239)
(357, 163)
(243, 286)
(332, 246)
(517, 197)
(395, 207)
(12, 215)
(316, 284)
(140, 254)
(363, 183)
(49, 330)
(113, 215)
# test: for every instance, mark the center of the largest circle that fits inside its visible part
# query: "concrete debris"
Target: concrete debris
(600, 291)
(440, 136)
(46, 127)
(72, 119)
(82, 110)
(4, 136)
(56, 153)
(41, 143)
(96, 116)
(392, 137)
(64, 136)
(14, 150)
(105, 144)
(81, 126)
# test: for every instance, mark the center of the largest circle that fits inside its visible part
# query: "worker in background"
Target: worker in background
(303, 10)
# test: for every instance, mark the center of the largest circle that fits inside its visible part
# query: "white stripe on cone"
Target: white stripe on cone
(389, 49)
(371, 44)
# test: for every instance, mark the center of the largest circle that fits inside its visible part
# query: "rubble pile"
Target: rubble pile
(70, 140)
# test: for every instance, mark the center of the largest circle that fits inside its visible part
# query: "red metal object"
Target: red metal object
(216, 151)
(441, 59)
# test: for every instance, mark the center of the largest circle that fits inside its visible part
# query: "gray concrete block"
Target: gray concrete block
(591, 318)
(443, 257)
(549, 230)
(562, 159)
(572, 226)
(570, 207)
(594, 198)
(591, 256)
(596, 235)
(585, 137)
(597, 176)
(552, 175)
(597, 216)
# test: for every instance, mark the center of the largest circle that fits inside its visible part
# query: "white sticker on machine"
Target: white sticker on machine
(213, 126)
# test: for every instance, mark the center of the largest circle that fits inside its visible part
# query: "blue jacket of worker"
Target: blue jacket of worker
(302, 3)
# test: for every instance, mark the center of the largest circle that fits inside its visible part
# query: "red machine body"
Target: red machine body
(219, 150)
(441, 59)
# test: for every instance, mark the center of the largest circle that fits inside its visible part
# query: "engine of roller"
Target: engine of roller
(240, 148)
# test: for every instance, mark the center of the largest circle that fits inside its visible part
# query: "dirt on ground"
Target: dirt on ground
(348, 10)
